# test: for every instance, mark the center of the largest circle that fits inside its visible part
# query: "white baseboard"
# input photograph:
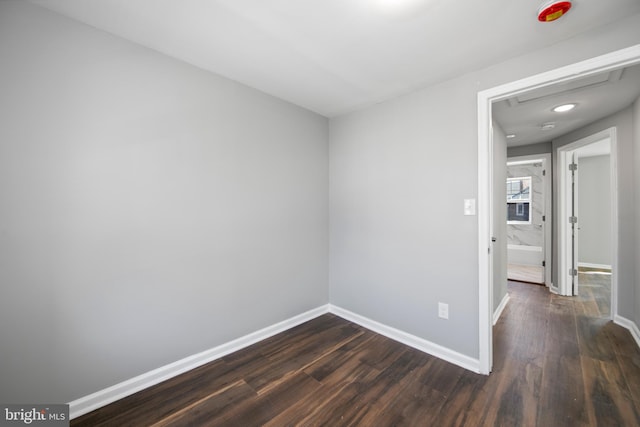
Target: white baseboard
(525, 248)
(592, 265)
(630, 325)
(498, 311)
(126, 388)
(410, 340)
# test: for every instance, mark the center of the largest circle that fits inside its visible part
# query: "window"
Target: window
(519, 200)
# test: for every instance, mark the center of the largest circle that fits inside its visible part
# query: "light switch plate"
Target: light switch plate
(443, 310)
(469, 206)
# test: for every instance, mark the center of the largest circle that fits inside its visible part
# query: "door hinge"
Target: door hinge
(573, 220)
(573, 167)
(544, 218)
(544, 263)
(544, 172)
(573, 272)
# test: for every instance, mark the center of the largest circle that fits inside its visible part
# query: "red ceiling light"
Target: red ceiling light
(552, 10)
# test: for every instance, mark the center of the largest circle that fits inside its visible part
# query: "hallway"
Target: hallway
(563, 361)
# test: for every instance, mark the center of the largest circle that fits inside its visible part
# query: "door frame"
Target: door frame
(565, 154)
(599, 64)
(566, 206)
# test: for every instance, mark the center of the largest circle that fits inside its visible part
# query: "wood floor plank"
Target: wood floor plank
(606, 393)
(380, 352)
(562, 399)
(518, 391)
(593, 339)
(467, 402)
(152, 405)
(280, 367)
(420, 403)
(630, 366)
(343, 407)
(205, 410)
(439, 375)
(392, 381)
(299, 412)
(628, 358)
(339, 367)
(530, 343)
(558, 361)
(267, 406)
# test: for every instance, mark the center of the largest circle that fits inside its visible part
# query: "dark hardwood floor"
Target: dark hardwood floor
(557, 362)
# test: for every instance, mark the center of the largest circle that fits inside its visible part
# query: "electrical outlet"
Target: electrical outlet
(443, 310)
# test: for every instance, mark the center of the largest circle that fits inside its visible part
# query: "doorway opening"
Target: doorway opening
(588, 239)
(615, 60)
(529, 219)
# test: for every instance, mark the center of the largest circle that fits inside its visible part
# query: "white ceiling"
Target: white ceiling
(335, 56)
(596, 97)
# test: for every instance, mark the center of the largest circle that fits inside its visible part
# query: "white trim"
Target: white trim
(485, 260)
(630, 325)
(500, 308)
(565, 158)
(525, 248)
(491, 202)
(126, 388)
(408, 339)
(592, 265)
(607, 62)
(615, 228)
(525, 160)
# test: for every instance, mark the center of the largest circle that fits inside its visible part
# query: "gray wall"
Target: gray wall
(399, 172)
(627, 179)
(529, 150)
(594, 210)
(150, 210)
(499, 215)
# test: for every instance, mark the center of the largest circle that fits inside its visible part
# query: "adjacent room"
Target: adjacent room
(274, 212)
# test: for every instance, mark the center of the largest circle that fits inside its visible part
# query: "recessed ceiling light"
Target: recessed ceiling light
(548, 126)
(511, 135)
(564, 107)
